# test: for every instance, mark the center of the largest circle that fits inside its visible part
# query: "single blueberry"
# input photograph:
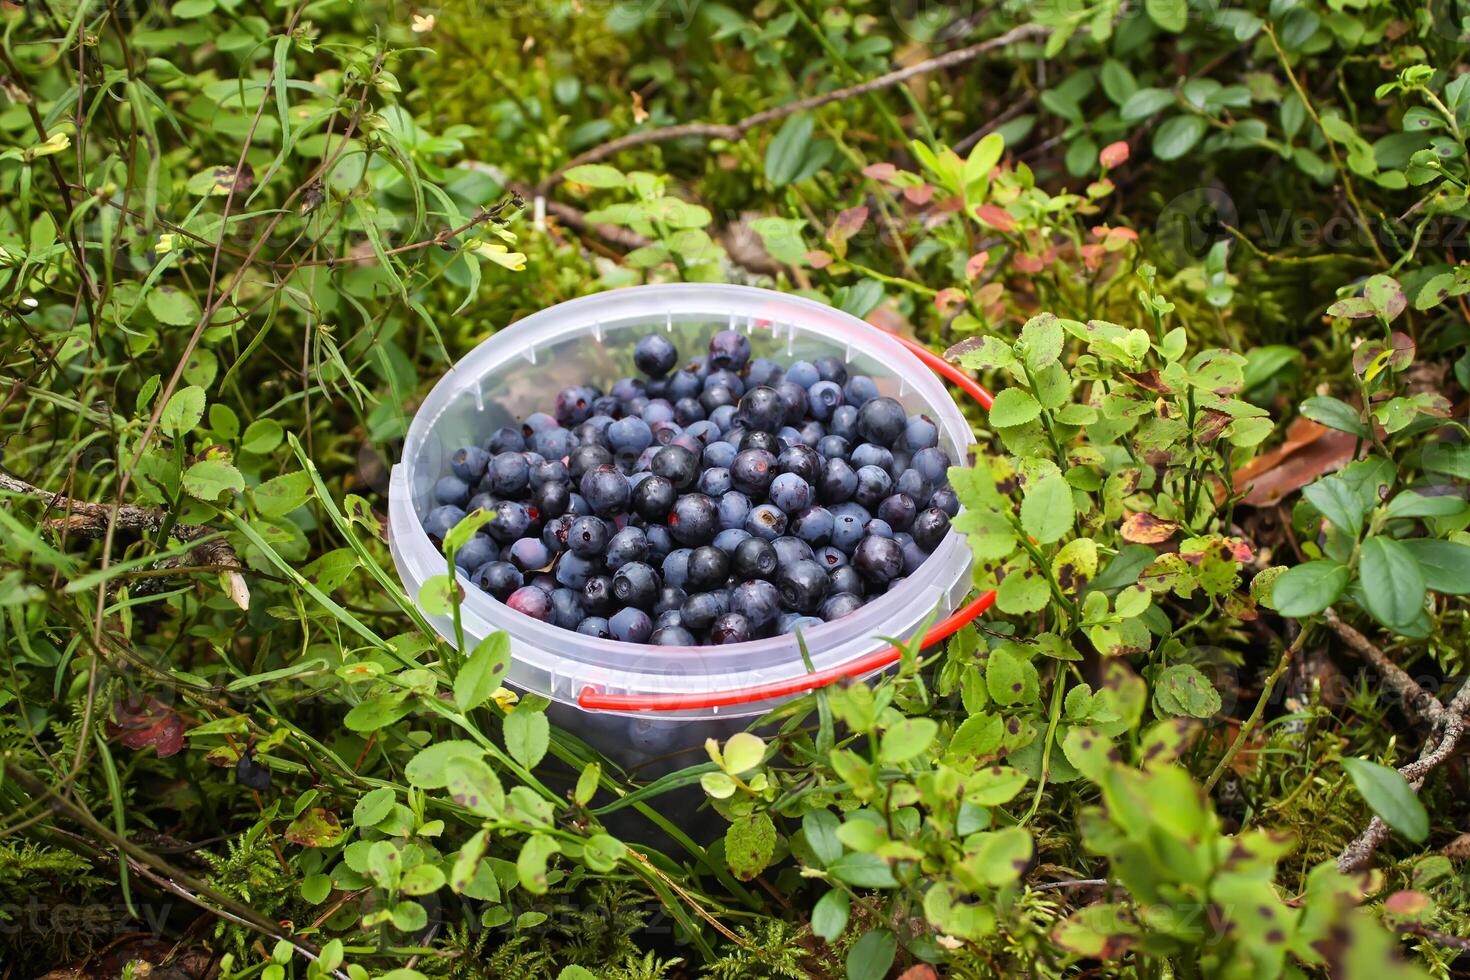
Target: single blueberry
(668, 598)
(630, 625)
(794, 397)
(730, 628)
(655, 355)
(676, 567)
(839, 604)
(532, 601)
(751, 471)
(636, 584)
(566, 608)
(714, 481)
(529, 554)
(764, 371)
(605, 489)
(729, 539)
(652, 498)
(762, 408)
(451, 490)
(873, 485)
(878, 560)
(813, 525)
(899, 510)
(700, 610)
(757, 600)
(945, 499)
(585, 458)
(677, 465)
(442, 519)
(802, 585)
(628, 545)
(506, 439)
(791, 493)
(754, 558)
(574, 571)
(597, 596)
(859, 390)
(838, 482)
(694, 519)
(846, 579)
(823, 399)
(930, 527)
(790, 549)
(587, 537)
(498, 578)
(476, 551)
(729, 349)
(469, 463)
(708, 568)
(671, 636)
(803, 373)
(595, 626)
(766, 521)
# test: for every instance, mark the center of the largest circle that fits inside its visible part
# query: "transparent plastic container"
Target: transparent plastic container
(518, 371)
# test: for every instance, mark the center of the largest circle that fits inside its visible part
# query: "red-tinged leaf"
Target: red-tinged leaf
(948, 299)
(880, 171)
(921, 972)
(1114, 154)
(919, 195)
(1150, 381)
(964, 347)
(1210, 424)
(996, 217)
(141, 723)
(818, 259)
(1143, 528)
(1092, 256)
(1028, 264)
(1407, 903)
(847, 223)
(315, 827)
(976, 265)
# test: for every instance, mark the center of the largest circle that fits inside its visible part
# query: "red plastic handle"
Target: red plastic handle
(593, 700)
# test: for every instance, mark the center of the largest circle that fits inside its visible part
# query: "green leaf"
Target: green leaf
(473, 785)
(1144, 103)
(908, 738)
(1338, 502)
(872, 955)
(1393, 585)
(209, 478)
(378, 712)
(1009, 678)
(531, 862)
(1410, 504)
(1181, 690)
(1389, 795)
(1335, 414)
(1014, 406)
(829, 915)
(994, 786)
(183, 412)
(373, 807)
(1022, 591)
(786, 154)
(280, 495)
(173, 307)
(1041, 339)
(1177, 136)
(481, 674)
(429, 768)
(1046, 509)
(261, 436)
(749, 843)
(1445, 565)
(743, 752)
(527, 735)
(1309, 588)
(596, 175)
(820, 830)
(863, 871)
(1171, 15)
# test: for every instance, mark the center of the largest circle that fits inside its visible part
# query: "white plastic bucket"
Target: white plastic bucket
(519, 370)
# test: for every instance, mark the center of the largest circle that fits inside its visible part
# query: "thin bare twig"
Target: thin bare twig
(735, 130)
(1435, 752)
(1415, 699)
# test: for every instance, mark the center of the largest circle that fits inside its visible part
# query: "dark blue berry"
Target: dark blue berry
(529, 554)
(605, 489)
(730, 628)
(802, 585)
(859, 390)
(873, 484)
(668, 598)
(671, 636)
(451, 490)
(441, 520)
(846, 579)
(899, 510)
(878, 560)
(469, 463)
(574, 404)
(506, 439)
(587, 536)
(729, 349)
(762, 409)
(475, 552)
(813, 525)
(676, 567)
(694, 519)
(498, 578)
(655, 355)
(754, 558)
(708, 568)
(823, 399)
(838, 482)
(751, 472)
(566, 609)
(766, 521)
(677, 465)
(574, 571)
(791, 493)
(757, 600)
(930, 527)
(595, 626)
(700, 610)
(630, 625)
(839, 604)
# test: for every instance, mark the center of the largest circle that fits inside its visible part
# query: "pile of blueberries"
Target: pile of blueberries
(726, 501)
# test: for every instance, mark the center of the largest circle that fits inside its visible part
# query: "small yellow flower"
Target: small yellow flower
(502, 256)
(423, 23)
(505, 697)
(55, 143)
(165, 244)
